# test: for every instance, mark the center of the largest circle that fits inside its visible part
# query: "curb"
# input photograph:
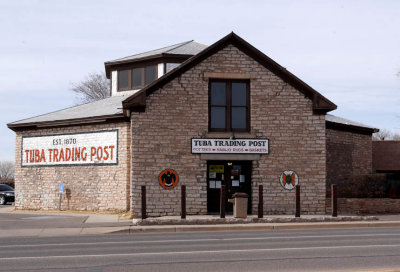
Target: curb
(250, 227)
(250, 220)
(53, 232)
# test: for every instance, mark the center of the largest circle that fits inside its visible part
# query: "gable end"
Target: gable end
(321, 105)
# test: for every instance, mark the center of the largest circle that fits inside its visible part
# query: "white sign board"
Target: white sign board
(100, 148)
(61, 188)
(227, 146)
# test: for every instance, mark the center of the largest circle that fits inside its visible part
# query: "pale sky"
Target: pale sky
(349, 51)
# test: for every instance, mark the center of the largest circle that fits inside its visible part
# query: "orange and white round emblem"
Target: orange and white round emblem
(168, 178)
(289, 179)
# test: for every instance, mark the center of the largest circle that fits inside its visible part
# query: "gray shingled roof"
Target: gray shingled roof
(113, 106)
(105, 107)
(185, 48)
(343, 121)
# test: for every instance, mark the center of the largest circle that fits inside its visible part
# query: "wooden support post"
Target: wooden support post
(222, 203)
(144, 215)
(183, 202)
(59, 203)
(297, 201)
(260, 202)
(334, 200)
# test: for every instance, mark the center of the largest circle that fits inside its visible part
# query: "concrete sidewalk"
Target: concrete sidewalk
(66, 223)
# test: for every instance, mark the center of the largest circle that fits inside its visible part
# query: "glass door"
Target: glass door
(235, 175)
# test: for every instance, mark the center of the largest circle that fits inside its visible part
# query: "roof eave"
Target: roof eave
(321, 110)
(322, 104)
(352, 128)
(67, 122)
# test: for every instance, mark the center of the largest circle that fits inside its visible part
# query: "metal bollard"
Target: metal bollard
(334, 200)
(183, 202)
(144, 215)
(297, 194)
(222, 203)
(260, 202)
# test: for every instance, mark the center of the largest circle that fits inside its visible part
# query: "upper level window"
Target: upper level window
(229, 105)
(137, 75)
(123, 79)
(136, 78)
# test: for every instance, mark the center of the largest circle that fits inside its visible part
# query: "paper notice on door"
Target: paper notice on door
(212, 175)
(216, 168)
(218, 184)
(235, 183)
(242, 178)
(212, 184)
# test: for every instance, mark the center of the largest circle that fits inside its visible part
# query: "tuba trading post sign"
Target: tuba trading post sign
(89, 148)
(229, 146)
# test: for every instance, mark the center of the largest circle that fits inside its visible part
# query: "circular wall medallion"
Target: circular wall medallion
(289, 179)
(168, 178)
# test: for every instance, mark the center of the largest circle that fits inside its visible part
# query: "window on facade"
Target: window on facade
(123, 79)
(136, 78)
(229, 105)
(150, 74)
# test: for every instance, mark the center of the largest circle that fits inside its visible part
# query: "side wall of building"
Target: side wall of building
(348, 154)
(95, 188)
(362, 206)
(161, 138)
(386, 156)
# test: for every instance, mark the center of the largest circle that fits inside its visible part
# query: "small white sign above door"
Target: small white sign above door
(227, 146)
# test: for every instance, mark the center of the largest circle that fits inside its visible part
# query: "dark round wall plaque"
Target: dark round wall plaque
(168, 179)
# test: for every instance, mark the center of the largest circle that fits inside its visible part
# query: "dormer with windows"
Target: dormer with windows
(130, 74)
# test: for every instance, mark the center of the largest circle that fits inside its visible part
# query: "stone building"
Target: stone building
(194, 115)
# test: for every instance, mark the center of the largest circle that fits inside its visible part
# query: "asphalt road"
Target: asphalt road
(32, 220)
(296, 250)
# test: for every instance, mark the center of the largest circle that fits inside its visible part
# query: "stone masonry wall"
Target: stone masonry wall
(177, 112)
(94, 188)
(349, 154)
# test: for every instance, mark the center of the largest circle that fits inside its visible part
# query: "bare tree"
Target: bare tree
(94, 87)
(382, 135)
(396, 137)
(385, 135)
(6, 171)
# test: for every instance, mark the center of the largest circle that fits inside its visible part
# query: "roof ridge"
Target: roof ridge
(175, 46)
(179, 45)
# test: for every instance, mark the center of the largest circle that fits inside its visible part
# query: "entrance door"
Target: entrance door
(235, 175)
